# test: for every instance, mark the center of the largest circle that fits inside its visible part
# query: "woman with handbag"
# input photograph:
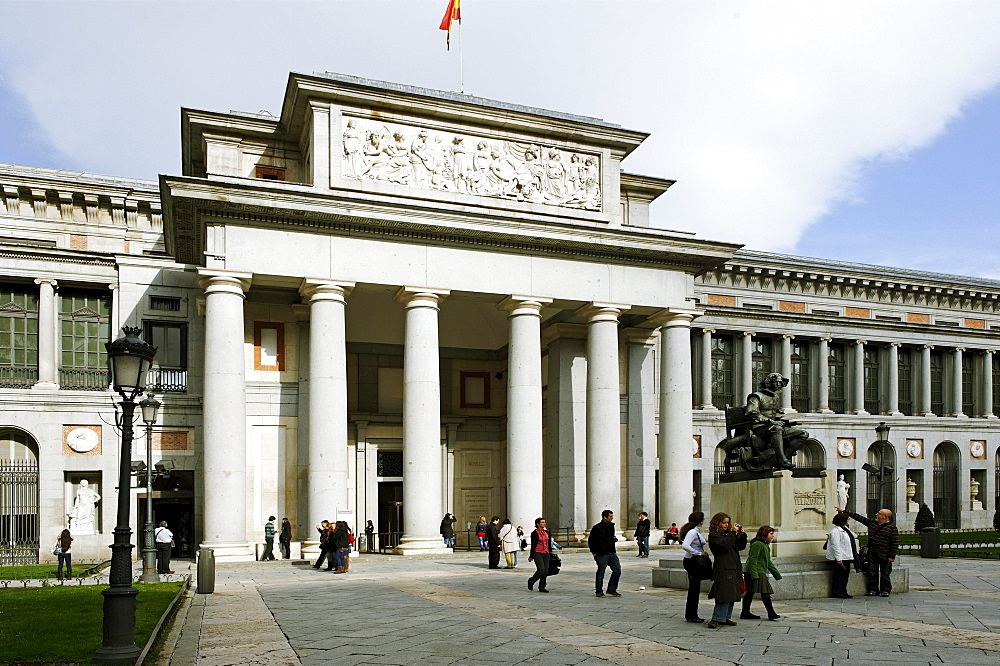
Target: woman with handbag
(842, 551)
(697, 564)
(540, 554)
(725, 540)
(755, 572)
(61, 551)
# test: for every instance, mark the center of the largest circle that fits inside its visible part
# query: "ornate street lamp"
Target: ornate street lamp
(129, 359)
(882, 430)
(150, 406)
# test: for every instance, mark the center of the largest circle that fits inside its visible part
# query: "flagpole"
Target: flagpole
(461, 64)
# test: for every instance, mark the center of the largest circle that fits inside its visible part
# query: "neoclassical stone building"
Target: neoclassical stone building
(390, 302)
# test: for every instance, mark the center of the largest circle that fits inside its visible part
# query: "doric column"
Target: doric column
(858, 394)
(676, 432)
(524, 407)
(746, 368)
(987, 410)
(225, 426)
(956, 384)
(328, 455)
(706, 369)
(603, 410)
(786, 371)
(48, 322)
(925, 381)
(640, 457)
(448, 466)
(361, 506)
(823, 396)
(893, 407)
(421, 422)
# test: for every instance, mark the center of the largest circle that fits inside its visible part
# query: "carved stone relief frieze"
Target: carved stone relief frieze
(432, 159)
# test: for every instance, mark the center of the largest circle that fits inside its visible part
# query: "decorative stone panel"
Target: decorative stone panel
(975, 323)
(858, 313)
(917, 318)
(791, 306)
(82, 440)
(721, 300)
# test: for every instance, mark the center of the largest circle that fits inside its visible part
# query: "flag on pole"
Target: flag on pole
(453, 13)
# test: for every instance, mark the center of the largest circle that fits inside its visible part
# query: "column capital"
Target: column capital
(928, 347)
(826, 338)
(51, 281)
(895, 344)
(748, 334)
(676, 316)
(641, 336)
(989, 351)
(787, 336)
(597, 311)
(222, 281)
(860, 342)
(960, 349)
(708, 330)
(420, 297)
(313, 289)
(516, 305)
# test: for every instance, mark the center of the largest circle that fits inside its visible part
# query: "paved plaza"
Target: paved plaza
(453, 610)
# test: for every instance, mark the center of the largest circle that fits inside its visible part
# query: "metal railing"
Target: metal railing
(167, 380)
(19, 528)
(84, 380)
(18, 377)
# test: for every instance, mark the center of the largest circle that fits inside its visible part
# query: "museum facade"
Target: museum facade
(389, 303)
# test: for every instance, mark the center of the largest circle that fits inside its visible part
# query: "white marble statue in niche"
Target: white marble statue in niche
(83, 515)
(445, 161)
(843, 492)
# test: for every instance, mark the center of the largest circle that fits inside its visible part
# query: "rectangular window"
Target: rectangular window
(165, 303)
(762, 360)
(270, 173)
(838, 381)
(84, 320)
(905, 365)
(800, 377)
(722, 371)
(871, 380)
(475, 389)
(937, 382)
(18, 336)
(268, 345)
(996, 395)
(968, 392)
(169, 373)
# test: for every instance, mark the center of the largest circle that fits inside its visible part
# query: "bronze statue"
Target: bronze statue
(758, 437)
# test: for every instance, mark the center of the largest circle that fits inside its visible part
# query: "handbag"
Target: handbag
(350, 538)
(703, 566)
(554, 564)
(172, 544)
(57, 550)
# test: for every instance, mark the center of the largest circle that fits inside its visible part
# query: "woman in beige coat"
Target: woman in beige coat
(508, 543)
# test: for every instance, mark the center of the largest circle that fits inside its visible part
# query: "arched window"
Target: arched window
(18, 498)
(946, 508)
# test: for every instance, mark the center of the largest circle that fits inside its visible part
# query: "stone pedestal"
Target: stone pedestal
(800, 509)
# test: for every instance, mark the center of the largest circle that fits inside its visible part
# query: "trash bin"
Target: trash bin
(206, 571)
(930, 542)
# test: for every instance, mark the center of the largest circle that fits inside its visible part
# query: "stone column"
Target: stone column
(925, 381)
(448, 465)
(893, 407)
(225, 421)
(421, 422)
(676, 431)
(706, 369)
(746, 369)
(48, 323)
(361, 479)
(328, 455)
(823, 397)
(524, 408)
(640, 458)
(603, 411)
(786, 371)
(956, 388)
(858, 394)
(987, 410)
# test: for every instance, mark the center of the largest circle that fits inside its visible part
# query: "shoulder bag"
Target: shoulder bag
(703, 563)
(57, 550)
(554, 565)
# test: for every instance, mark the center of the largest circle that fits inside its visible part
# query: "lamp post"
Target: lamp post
(150, 406)
(882, 430)
(129, 359)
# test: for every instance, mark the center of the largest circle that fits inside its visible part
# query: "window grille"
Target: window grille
(722, 371)
(837, 364)
(85, 327)
(165, 303)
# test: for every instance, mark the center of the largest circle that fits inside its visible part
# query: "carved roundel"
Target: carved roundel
(82, 440)
(914, 448)
(845, 448)
(977, 448)
(696, 446)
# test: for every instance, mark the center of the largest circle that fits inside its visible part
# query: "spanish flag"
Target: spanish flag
(453, 13)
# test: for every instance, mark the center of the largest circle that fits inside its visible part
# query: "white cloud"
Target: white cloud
(763, 111)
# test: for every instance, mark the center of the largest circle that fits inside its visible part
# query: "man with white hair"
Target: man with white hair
(883, 546)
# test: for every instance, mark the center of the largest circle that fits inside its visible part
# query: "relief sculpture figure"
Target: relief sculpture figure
(460, 164)
(353, 154)
(397, 167)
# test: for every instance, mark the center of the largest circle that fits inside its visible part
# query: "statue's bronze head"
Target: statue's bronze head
(774, 382)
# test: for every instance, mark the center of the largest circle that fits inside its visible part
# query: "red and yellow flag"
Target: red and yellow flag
(453, 13)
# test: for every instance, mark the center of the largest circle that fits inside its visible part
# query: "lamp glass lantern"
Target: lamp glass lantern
(882, 430)
(129, 359)
(150, 407)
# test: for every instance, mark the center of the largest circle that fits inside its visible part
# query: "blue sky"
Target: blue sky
(865, 131)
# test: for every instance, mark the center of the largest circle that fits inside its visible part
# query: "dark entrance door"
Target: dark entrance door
(390, 513)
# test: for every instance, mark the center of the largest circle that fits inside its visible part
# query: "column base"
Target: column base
(788, 410)
(709, 408)
(45, 386)
(896, 412)
(231, 552)
(860, 412)
(418, 546)
(959, 415)
(824, 410)
(928, 414)
(989, 416)
(310, 548)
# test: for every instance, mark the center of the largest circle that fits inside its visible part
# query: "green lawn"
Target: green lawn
(63, 624)
(40, 571)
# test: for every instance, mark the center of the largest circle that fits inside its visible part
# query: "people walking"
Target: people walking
(481, 532)
(370, 537)
(508, 543)
(541, 554)
(696, 563)
(642, 534)
(448, 530)
(340, 542)
(725, 540)
(755, 571)
(493, 541)
(842, 551)
(601, 542)
(325, 543)
(268, 540)
(522, 543)
(63, 543)
(285, 539)
(883, 546)
(164, 541)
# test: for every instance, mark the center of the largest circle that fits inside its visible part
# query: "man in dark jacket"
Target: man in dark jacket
(602, 544)
(493, 541)
(883, 546)
(642, 534)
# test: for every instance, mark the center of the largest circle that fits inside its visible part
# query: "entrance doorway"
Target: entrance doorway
(173, 501)
(946, 486)
(390, 513)
(19, 525)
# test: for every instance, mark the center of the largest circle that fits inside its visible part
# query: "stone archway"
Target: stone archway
(947, 512)
(19, 519)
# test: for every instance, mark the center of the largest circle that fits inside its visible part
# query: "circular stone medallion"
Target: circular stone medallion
(82, 440)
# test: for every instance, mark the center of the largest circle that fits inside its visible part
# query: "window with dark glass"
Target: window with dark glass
(968, 392)
(905, 372)
(996, 393)
(18, 336)
(838, 380)
(871, 380)
(761, 360)
(722, 370)
(937, 382)
(84, 320)
(169, 372)
(800, 377)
